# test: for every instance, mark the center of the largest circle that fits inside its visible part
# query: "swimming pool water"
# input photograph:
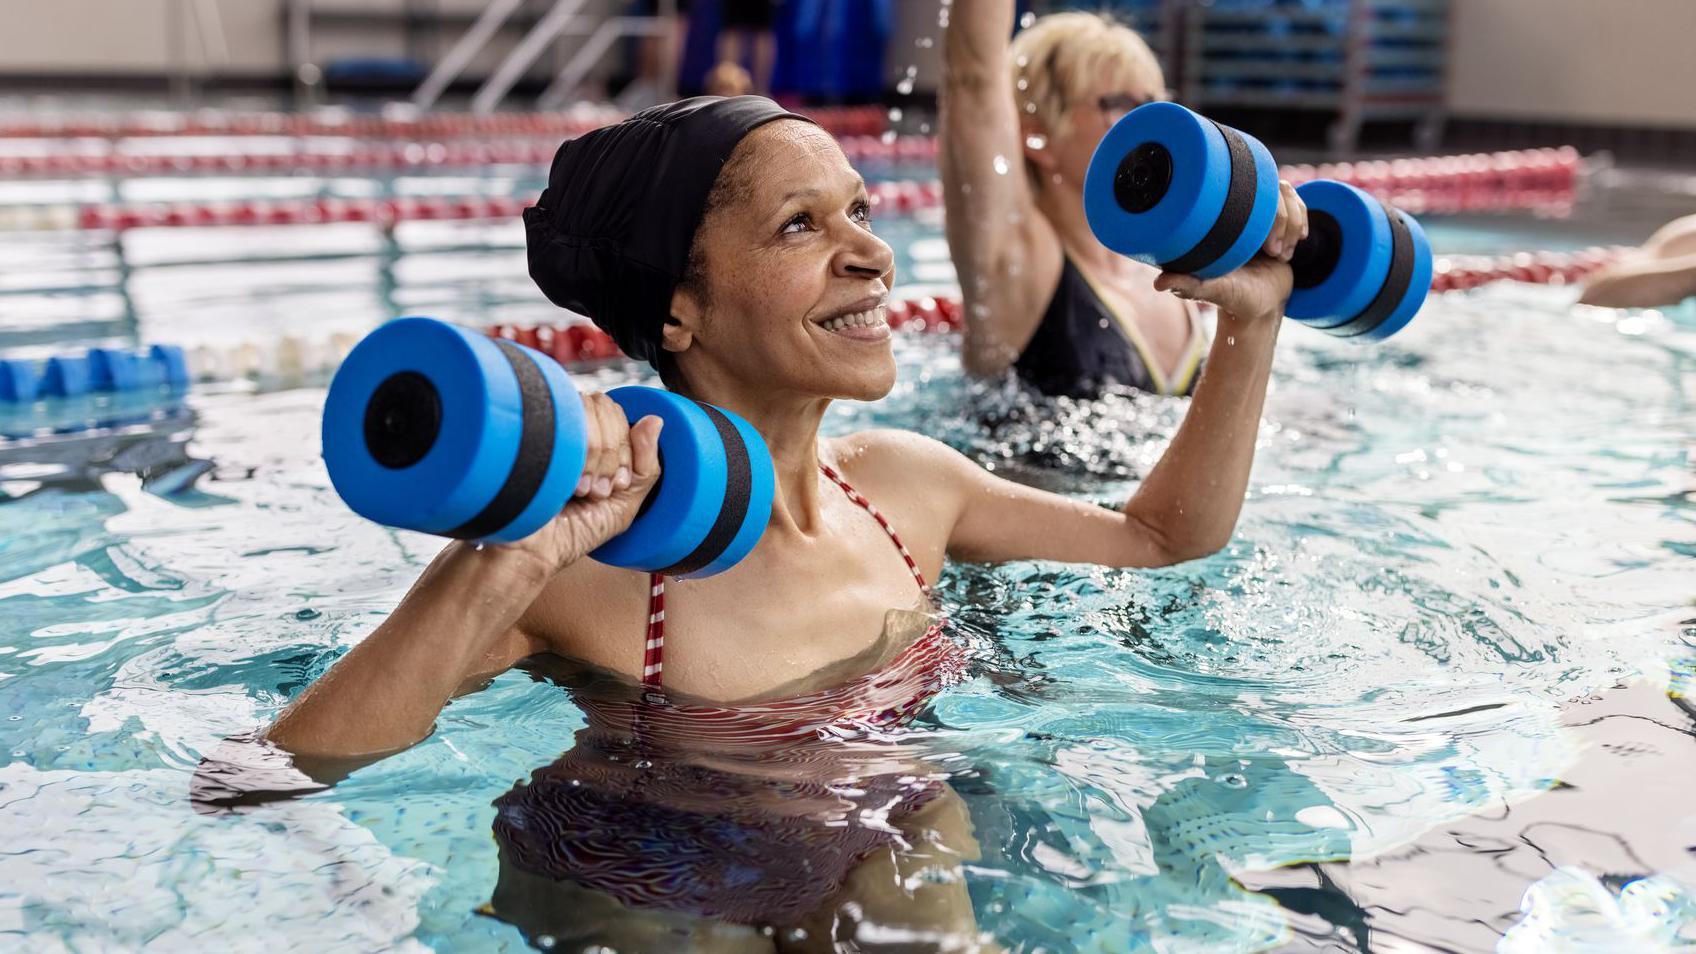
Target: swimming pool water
(1450, 539)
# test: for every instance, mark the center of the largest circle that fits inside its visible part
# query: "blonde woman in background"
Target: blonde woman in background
(1019, 124)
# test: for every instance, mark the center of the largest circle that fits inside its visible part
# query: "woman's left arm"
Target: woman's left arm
(1186, 508)
(1188, 505)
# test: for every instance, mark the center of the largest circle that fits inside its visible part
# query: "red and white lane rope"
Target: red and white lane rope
(1544, 180)
(575, 343)
(328, 157)
(1527, 187)
(293, 359)
(841, 121)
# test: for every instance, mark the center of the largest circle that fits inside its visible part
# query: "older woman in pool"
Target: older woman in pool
(731, 244)
(1019, 125)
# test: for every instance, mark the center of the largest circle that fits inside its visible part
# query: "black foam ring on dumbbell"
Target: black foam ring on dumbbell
(1396, 283)
(738, 490)
(1239, 204)
(535, 449)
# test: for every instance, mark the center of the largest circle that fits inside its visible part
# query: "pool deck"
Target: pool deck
(1622, 808)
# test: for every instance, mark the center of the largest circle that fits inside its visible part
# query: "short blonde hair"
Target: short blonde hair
(1059, 57)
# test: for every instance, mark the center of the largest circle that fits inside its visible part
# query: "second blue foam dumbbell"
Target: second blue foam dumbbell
(436, 428)
(1177, 190)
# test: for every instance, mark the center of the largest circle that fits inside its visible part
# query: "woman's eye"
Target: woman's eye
(862, 212)
(802, 219)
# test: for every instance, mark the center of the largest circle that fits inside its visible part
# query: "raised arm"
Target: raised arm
(1005, 252)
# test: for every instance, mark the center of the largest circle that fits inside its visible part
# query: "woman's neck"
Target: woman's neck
(790, 426)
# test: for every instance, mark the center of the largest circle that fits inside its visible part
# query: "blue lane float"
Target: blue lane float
(19, 380)
(436, 428)
(1172, 188)
(110, 370)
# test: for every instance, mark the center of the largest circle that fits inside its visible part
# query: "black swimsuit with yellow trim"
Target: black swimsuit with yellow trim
(1083, 346)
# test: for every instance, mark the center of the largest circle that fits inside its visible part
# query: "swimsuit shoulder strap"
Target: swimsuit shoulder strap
(653, 654)
(882, 521)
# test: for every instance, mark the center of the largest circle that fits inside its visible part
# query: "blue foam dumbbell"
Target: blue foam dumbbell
(432, 427)
(1175, 189)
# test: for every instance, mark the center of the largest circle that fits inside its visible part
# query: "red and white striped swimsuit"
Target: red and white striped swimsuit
(888, 696)
(751, 814)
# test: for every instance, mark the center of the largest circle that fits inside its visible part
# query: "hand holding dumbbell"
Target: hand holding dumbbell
(435, 428)
(1180, 191)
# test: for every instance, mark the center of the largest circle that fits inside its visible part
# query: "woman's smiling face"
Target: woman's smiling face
(787, 285)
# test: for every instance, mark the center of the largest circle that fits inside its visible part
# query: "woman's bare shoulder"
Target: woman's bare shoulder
(592, 613)
(892, 452)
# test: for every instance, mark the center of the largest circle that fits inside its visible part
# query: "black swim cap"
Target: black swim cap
(610, 235)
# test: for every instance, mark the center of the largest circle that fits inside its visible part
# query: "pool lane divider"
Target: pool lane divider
(95, 371)
(99, 388)
(838, 120)
(294, 360)
(337, 157)
(900, 197)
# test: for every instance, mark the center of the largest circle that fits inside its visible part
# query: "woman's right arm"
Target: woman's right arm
(462, 619)
(1005, 253)
(459, 620)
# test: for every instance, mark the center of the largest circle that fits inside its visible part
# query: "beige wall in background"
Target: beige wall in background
(85, 36)
(94, 37)
(1619, 62)
(1593, 61)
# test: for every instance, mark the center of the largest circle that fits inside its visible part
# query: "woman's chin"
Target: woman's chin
(872, 385)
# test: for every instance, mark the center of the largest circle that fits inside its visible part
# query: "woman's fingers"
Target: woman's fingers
(592, 444)
(645, 451)
(1276, 239)
(1295, 221)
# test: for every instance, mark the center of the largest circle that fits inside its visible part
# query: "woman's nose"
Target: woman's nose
(865, 256)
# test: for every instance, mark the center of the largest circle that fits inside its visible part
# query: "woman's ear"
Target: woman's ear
(684, 321)
(1033, 136)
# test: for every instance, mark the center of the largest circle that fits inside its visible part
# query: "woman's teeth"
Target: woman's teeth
(861, 319)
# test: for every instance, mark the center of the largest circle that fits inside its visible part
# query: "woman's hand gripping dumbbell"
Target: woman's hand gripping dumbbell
(1180, 191)
(436, 428)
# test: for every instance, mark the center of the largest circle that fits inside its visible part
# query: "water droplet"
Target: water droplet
(905, 86)
(1000, 165)
(895, 113)
(478, 547)
(1231, 340)
(1036, 141)
(924, 43)
(1026, 20)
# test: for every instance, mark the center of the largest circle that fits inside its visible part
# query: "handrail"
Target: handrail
(613, 29)
(512, 68)
(460, 56)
